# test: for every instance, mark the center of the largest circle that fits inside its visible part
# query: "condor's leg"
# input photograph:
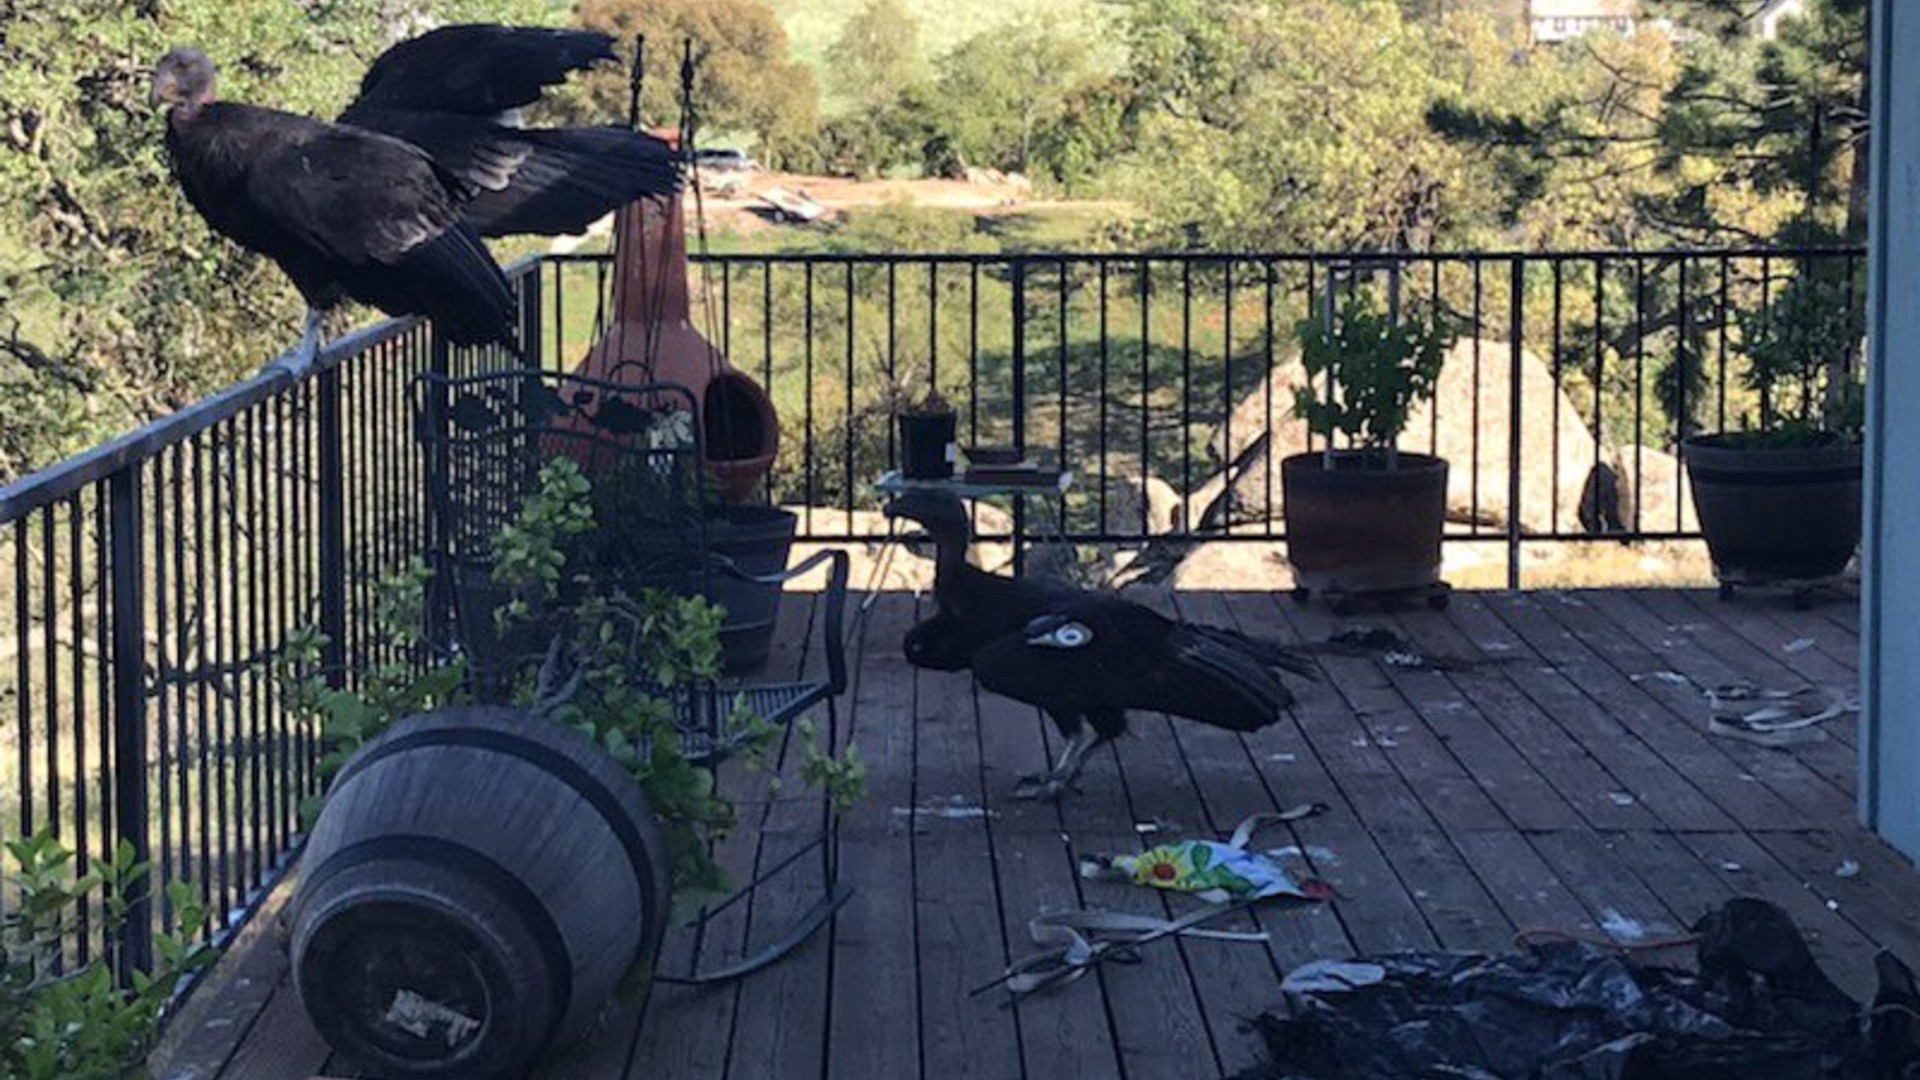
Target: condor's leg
(300, 361)
(1081, 738)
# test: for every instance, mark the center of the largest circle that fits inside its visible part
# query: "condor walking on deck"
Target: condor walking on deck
(1084, 657)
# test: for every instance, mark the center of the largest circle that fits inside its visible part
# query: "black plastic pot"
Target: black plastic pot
(758, 540)
(1776, 514)
(928, 445)
(1359, 528)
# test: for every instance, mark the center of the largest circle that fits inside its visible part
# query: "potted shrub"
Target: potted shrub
(929, 441)
(657, 529)
(1367, 518)
(1779, 501)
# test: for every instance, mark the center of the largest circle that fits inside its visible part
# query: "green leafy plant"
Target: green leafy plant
(617, 667)
(1379, 368)
(65, 1022)
(1798, 349)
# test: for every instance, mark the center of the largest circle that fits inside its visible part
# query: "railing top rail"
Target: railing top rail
(56, 482)
(796, 258)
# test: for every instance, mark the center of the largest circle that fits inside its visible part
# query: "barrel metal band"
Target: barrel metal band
(555, 764)
(484, 871)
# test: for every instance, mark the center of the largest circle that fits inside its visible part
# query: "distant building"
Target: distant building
(1766, 21)
(1551, 22)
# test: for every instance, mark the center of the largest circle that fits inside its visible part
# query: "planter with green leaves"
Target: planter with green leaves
(1779, 502)
(431, 941)
(1367, 518)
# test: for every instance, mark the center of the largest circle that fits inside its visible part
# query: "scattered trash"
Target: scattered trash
(1286, 759)
(1224, 873)
(1331, 976)
(1622, 798)
(1216, 871)
(1774, 717)
(1393, 650)
(1798, 645)
(419, 1017)
(1313, 853)
(952, 811)
(1672, 678)
(1731, 867)
(1848, 869)
(1156, 826)
(1622, 928)
(1570, 1010)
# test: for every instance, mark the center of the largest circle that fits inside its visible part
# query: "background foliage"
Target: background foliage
(1278, 124)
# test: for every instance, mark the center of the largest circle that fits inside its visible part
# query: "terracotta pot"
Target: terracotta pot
(1358, 528)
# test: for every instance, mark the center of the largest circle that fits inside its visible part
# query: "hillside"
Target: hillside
(814, 24)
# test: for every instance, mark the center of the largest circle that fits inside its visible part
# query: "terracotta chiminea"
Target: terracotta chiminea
(651, 338)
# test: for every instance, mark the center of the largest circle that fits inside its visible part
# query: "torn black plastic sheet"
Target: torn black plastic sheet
(1759, 1009)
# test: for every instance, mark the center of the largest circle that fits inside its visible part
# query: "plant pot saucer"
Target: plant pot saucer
(1341, 601)
(1802, 593)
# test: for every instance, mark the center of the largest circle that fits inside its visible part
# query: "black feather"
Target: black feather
(478, 70)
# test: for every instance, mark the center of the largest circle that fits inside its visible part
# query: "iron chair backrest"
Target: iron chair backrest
(489, 437)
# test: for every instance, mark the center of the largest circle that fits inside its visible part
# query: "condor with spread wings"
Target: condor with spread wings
(388, 205)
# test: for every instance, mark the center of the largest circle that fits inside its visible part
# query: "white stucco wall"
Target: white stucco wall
(1890, 640)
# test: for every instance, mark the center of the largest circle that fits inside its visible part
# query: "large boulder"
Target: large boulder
(1473, 440)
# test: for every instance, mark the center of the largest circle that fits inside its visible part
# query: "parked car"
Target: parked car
(725, 160)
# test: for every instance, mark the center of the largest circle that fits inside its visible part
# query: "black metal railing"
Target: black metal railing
(146, 586)
(150, 585)
(1175, 372)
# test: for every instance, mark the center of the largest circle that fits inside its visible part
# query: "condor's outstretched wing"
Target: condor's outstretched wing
(478, 70)
(446, 91)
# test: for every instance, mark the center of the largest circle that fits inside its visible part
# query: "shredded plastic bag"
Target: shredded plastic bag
(1759, 1009)
(1217, 871)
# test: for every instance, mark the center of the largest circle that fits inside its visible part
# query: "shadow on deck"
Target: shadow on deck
(1567, 783)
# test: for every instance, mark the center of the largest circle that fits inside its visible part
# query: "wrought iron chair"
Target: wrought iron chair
(488, 437)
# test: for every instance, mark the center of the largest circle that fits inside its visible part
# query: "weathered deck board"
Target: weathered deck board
(1548, 790)
(961, 941)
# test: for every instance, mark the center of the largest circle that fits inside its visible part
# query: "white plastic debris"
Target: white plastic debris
(1798, 645)
(1848, 869)
(1331, 977)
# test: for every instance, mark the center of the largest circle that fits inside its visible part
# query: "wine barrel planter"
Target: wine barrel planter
(479, 883)
(1776, 514)
(1358, 528)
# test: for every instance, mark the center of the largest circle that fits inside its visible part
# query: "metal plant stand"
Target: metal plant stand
(487, 439)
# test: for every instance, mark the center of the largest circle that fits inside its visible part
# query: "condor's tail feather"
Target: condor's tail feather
(1268, 653)
(455, 282)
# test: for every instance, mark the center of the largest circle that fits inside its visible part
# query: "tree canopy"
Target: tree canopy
(747, 81)
(116, 302)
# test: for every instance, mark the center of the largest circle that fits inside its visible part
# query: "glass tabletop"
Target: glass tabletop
(893, 483)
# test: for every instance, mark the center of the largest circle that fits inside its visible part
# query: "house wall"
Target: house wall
(1890, 638)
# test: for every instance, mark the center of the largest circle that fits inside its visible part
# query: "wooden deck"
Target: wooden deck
(1569, 784)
